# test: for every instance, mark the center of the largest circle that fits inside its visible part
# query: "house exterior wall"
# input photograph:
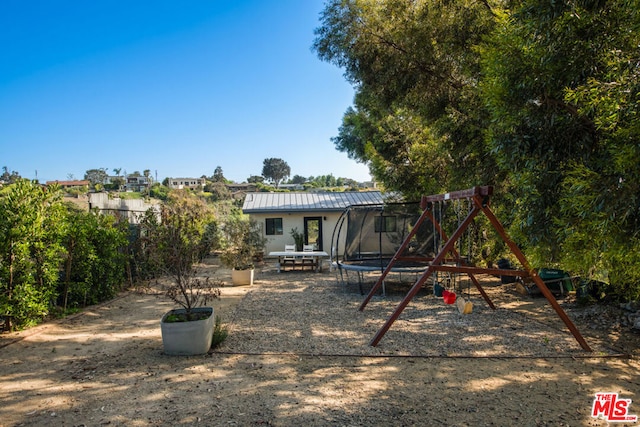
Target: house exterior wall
(181, 183)
(296, 220)
(294, 207)
(133, 209)
(137, 183)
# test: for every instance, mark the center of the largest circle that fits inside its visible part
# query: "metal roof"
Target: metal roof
(308, 202)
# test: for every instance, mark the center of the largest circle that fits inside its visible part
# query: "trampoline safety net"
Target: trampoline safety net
(372, 234)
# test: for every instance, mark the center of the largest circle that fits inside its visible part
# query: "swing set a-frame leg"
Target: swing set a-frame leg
(537, 280)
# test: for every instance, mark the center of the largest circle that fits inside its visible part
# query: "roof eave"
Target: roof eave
(255, 211)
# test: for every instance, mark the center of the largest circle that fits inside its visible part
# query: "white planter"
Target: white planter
(187, 338)
(242, 277)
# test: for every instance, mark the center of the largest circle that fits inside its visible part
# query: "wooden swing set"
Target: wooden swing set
(478, 198)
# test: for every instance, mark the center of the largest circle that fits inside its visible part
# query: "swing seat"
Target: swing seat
(464, 307)
(448, 297)
(437, 290)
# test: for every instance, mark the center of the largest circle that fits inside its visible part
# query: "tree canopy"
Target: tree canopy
(9, 177)
(275, 170)
(96, 176)
(48, 248)
(537, 98)
(218, 175)
(417, 113)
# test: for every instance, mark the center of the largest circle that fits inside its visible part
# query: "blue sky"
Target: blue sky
(177, 87)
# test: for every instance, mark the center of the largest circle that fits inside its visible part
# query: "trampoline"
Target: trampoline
(367, 237)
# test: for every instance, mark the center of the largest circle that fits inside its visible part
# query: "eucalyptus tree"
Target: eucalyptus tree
(9, 177)
(538, 97)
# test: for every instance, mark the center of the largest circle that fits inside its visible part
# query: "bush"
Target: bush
(31, 218)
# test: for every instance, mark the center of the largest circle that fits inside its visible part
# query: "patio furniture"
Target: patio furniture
(295, 257)
(311, 261)
(289, 258)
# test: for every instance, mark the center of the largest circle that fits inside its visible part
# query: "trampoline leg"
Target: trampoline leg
(344, 285)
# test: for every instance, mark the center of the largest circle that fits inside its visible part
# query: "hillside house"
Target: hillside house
(137, 183)
(182, 183)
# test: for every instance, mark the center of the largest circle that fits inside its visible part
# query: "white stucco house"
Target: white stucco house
(181, 183)
(313, 214)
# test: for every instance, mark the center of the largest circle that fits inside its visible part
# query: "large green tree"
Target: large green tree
(417, 117)
(218, 175)
(562, 84)
(275, 170)
(538, 97)
(96, 176)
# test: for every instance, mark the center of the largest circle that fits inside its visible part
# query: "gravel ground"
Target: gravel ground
(298, 354)
(322, 318)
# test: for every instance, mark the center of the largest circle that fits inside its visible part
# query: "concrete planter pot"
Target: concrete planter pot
(242, 277)
(187, 338)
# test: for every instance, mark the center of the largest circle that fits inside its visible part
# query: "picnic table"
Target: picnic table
(299, 257)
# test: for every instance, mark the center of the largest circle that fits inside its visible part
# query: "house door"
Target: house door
(313, 231)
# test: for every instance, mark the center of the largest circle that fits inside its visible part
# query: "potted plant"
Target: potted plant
(242, 242)
(298, 238)
(189, 330)
(174, 243)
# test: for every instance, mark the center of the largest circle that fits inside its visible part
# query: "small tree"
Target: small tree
(175, 244)
(275, 170)
(243, 240)
(298, 179)
(218, 190)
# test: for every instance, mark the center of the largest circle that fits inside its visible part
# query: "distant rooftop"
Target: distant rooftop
(308, 202)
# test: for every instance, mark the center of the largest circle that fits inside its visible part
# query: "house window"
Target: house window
(385, 224)
(273, 226)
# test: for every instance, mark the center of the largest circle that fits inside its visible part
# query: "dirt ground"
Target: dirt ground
(105, 366)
